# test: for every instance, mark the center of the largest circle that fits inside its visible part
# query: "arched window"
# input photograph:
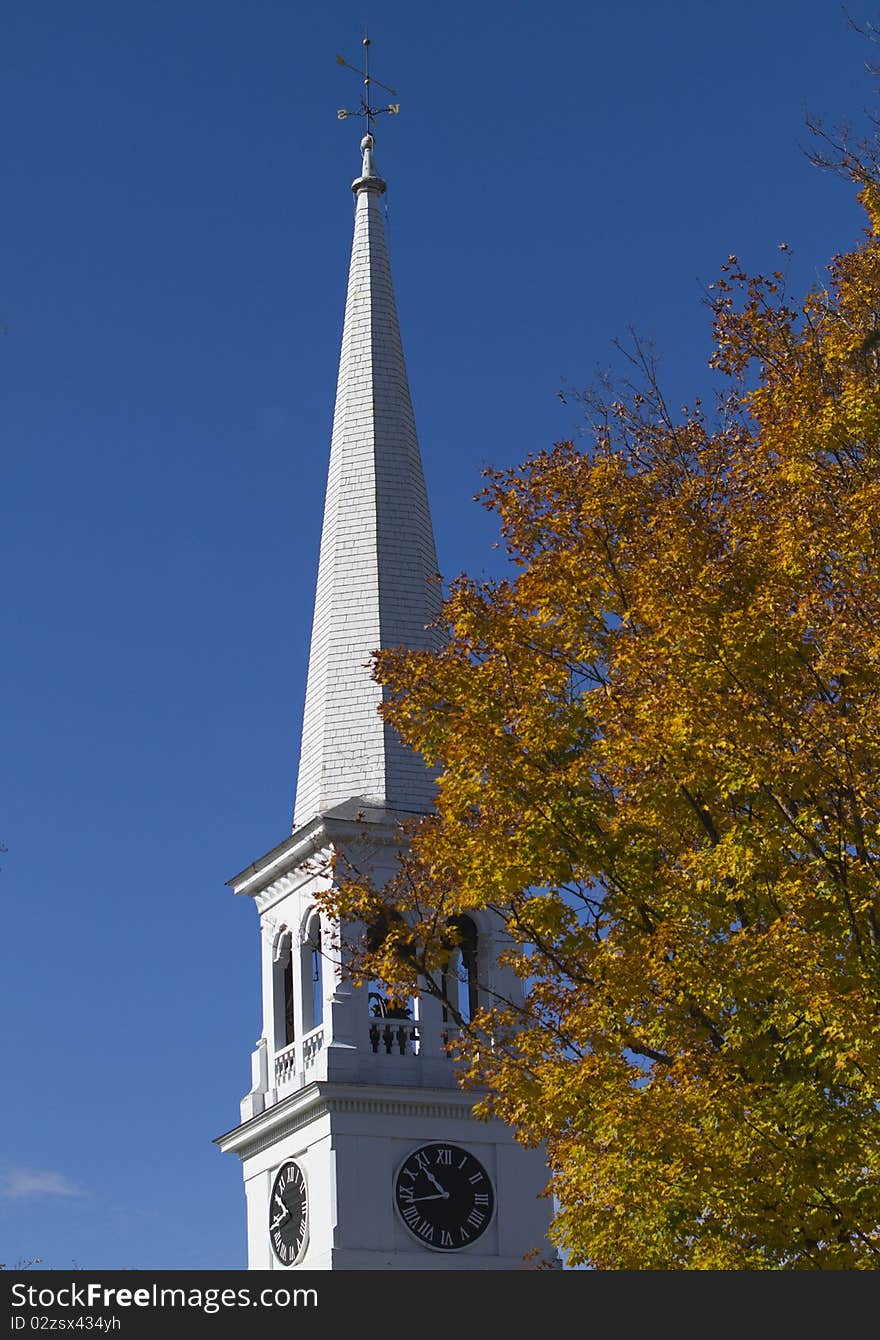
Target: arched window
(382, 1004)
(288, 1001)
(459, 979)
(283, 991)
(312, 975)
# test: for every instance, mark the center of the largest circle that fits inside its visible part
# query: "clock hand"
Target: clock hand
(431, 1178)
(286, 1212)
(275, 1222)
(442, 1195)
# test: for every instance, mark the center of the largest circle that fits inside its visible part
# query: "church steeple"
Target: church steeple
(358, 1148)
(377, 569)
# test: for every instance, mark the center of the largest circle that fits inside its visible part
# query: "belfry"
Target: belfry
(359, 1150)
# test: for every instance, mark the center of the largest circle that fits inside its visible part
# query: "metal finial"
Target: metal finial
(366, 108)
(368, 168)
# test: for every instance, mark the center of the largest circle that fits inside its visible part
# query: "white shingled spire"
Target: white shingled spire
(377, 564)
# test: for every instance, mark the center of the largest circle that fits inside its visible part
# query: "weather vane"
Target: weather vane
(366, 108)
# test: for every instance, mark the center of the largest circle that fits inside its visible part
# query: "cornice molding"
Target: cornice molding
(350, 824)
(327, 1100)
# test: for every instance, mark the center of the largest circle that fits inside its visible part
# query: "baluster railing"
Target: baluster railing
(394, 1037)
(285, 1066)
(312, 1044)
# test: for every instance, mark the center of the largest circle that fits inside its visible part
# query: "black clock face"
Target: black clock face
(288, 1213)
(444, 1196)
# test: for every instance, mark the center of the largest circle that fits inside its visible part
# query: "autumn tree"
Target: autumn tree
(658, 744)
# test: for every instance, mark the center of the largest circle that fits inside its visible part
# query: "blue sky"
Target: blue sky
(175, 232)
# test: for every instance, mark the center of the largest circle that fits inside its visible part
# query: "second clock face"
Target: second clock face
(444, 1196)
(288, 1213)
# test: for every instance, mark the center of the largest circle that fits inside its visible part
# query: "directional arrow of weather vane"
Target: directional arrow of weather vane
(366, 108)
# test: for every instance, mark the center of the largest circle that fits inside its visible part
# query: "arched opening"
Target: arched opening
(289, 1032)
(459, 978)
(384, 1005)
(312, 975)
(282, 960)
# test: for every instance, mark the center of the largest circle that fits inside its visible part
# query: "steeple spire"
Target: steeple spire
(377, 569)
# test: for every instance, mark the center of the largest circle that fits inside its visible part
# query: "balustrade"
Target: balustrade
(298, 1056)
(311, 1046)
(384, 1035)
(394, 1037)
(285, 1066)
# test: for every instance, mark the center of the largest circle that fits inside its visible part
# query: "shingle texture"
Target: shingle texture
(377, 562)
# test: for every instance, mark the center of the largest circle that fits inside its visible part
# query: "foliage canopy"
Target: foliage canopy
(658, 746)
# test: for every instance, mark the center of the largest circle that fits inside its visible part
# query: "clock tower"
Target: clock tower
(358, 1148)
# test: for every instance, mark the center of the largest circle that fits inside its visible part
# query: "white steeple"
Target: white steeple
(377, 573)
(358, 1148)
